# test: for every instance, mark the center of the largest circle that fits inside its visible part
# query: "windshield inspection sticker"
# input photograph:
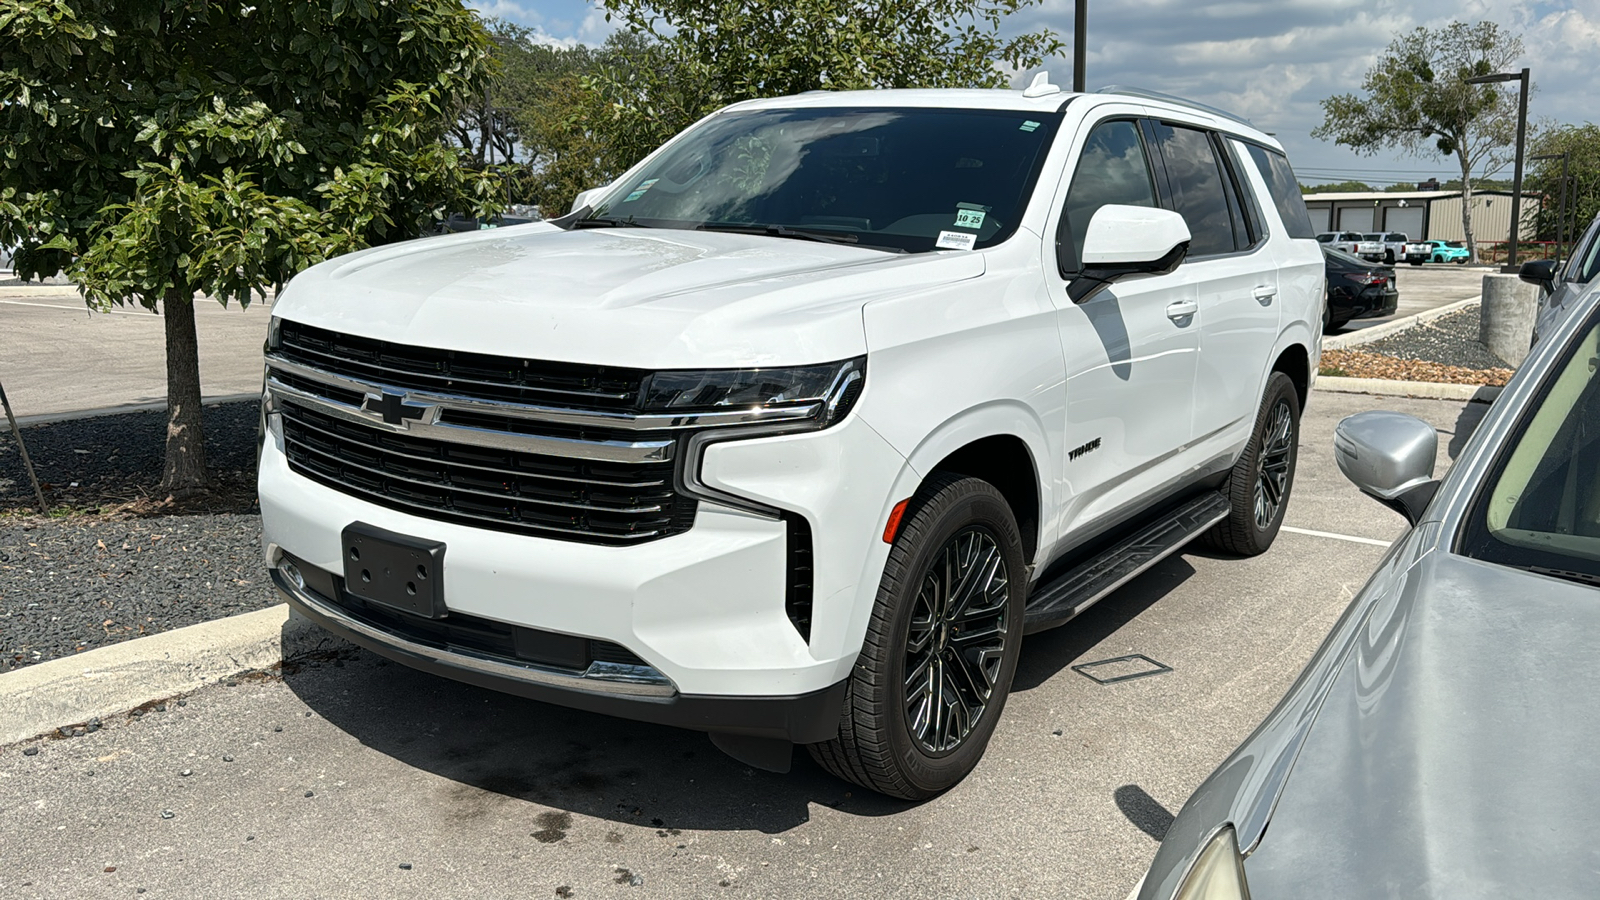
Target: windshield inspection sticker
(955, 240)
(639, 191)
(1029, 125)
(969, 218)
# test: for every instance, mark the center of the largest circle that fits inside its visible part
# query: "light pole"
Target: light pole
(1516, 178)
(1080, 47)
(1561, 217)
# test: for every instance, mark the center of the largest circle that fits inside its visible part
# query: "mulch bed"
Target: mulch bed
(115, 559)
(1361, 364)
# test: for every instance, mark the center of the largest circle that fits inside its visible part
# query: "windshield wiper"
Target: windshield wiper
(606, 222)
(1567, 575)
(784, 231)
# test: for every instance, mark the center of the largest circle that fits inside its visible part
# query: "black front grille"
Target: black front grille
(549, 496)
(477, 375)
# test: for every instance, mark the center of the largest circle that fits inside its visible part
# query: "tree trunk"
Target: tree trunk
(1466, 208)
(185, 473)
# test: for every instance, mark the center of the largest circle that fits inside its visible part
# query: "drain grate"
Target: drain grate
(1121, 668)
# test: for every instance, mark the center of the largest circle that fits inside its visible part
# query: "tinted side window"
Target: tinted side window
(1197, 188)
(1112, 169)
(1285, 190)
(1585, 262)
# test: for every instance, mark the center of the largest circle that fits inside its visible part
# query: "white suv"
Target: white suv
(794, 431)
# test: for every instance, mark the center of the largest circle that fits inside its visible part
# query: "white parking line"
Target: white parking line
(78, 308)
(1338, 537)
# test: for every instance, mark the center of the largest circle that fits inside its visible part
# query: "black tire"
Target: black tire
(1461, 260)
(880, 744)
(1388, 257)
(1266, 468)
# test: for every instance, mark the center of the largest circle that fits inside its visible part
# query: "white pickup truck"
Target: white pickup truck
(791, 433)
(1416, 252)
(1353, 243)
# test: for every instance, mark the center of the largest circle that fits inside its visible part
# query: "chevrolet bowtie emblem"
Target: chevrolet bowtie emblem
(397, 410)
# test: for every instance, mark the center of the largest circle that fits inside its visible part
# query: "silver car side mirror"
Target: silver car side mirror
(1389, 456)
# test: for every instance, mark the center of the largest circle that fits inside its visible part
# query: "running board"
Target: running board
(1057, 602)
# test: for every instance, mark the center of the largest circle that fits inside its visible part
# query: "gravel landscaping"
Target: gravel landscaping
(1443, 350)
(114, 561)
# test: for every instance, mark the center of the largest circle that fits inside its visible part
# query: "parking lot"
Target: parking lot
(353, 777)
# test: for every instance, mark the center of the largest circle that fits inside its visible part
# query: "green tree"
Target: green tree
(677, 61)
(1581, 143)
(1338, 187)
(154, 149)
(1416, 99)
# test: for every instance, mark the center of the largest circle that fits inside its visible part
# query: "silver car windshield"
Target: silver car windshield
(1541, 507)
(909, 179)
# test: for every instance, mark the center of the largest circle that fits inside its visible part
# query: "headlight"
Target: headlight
(832, 388)
(274, 330)
(1218, 873)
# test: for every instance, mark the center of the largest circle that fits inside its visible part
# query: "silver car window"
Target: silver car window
(1585, 263)
(1541, 509)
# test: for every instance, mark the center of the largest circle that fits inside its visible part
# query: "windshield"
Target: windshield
(1372, 237)
(1541, 509)
(896, 179)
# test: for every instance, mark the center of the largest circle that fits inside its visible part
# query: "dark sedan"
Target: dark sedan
(1357, 289)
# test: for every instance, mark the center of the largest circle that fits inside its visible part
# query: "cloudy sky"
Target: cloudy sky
(1270, 61)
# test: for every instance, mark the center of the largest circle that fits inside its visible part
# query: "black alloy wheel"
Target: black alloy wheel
(957, 641)
(1272, 464)
(941, 646)
(1262, 478)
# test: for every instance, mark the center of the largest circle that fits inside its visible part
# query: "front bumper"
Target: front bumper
(706, 608)
(802, 719)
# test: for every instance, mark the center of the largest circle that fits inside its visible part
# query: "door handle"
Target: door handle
(1182, 309)
(1265, 293)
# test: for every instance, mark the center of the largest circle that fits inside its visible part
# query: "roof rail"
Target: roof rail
(1128, 91)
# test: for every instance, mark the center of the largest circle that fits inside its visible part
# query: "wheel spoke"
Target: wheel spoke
(956, 641)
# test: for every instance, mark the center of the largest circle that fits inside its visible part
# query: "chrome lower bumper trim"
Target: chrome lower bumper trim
(600, 678)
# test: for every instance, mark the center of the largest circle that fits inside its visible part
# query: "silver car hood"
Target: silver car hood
(1457, 751)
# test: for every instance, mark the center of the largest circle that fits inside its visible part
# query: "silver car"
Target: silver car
(1561, 285)
(1445, 739)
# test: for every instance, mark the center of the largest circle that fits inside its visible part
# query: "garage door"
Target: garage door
(1356, 218)
(1407, 221)
(1319, 219)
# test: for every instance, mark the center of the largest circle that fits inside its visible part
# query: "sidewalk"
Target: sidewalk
(57, 357)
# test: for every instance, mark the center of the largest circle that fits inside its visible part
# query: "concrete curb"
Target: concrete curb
(47, 418)
(1426, 390)
(111, 680)
(1379, 332)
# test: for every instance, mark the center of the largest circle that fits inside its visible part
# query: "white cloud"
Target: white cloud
(1271, 61)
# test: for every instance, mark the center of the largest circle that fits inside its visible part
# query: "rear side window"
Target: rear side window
(1198, 191)
(1585, 262)
(1285, 190)
(1113, 169)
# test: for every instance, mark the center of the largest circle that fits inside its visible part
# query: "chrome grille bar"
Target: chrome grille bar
(625, 421)
(610, 451)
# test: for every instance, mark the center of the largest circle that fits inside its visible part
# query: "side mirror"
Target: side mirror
(1539, 271)
(1128, 240)
(587, 198)
(1389, 456)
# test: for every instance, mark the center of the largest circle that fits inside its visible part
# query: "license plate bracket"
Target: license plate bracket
(394, 570)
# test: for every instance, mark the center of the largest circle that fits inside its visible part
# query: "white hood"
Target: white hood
(645, 298)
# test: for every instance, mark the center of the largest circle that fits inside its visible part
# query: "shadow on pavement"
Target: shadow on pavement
(1143, 810)
(1466, 423)
(495, 746)
(1047, 653)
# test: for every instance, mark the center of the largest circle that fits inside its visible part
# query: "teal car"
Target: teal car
(1448, 251)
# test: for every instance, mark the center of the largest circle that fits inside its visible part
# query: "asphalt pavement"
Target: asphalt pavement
(56, 356)
(1426, 287)
(354, 777)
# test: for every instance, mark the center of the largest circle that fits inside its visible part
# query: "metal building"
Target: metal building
(1423, 215)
